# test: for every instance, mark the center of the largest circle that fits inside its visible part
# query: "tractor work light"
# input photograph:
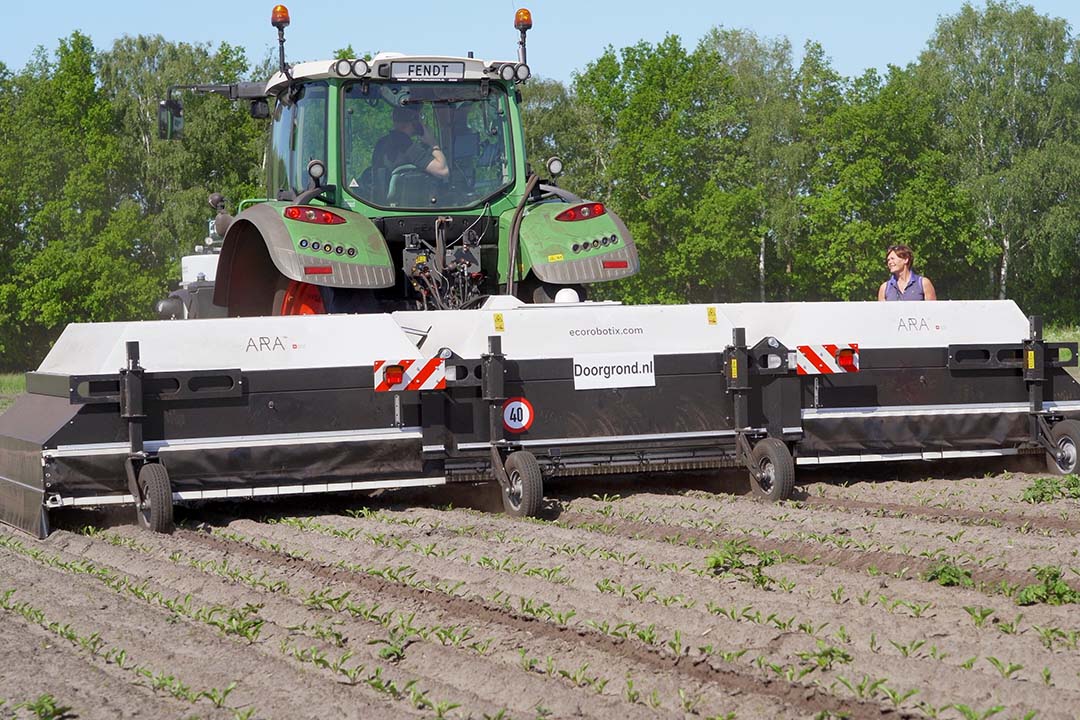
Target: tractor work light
(581, 212)
(522, 19)
(279, 17)
(360, 68)
(342, 68)
(314, 215)
(394, 374)
(506, 72)
(522, 72)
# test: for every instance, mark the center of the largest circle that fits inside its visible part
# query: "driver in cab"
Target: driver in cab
(409, 143)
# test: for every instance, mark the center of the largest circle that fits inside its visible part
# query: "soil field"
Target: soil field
(951, 597)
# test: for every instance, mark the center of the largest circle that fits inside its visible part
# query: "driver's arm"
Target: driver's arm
(437, 166)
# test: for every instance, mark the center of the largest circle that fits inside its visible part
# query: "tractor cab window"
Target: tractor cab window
(386, 155)
(297, 138)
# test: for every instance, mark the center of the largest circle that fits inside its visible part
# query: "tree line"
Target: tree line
(742, 174)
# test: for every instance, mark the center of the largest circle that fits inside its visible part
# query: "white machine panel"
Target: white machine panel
(266, 343)
(574, 329)
(882, 324)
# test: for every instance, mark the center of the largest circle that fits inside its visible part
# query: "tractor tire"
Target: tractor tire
(544, 293)
(293, 297)
(772, 459)
(1066, 437)
(155, 512)
(526, 491)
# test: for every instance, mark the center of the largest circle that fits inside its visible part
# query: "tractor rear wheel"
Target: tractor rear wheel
(545, 293)
(293, 297)
(155, 507)
(526, 491)
(775, 470)
(1066, 437)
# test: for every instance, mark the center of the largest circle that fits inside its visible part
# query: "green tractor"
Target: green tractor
(401, 182)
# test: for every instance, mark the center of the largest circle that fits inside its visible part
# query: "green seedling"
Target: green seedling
(825, 656)
(972, 714)
(44, 707)
(979, 615)
(1009, 628)
(865, 689)
(1007, 670)
(948, 574)
(896, 697)
(217, 697)
(394, 645)
(1047, 635)
(910, 649)
(1051, 589)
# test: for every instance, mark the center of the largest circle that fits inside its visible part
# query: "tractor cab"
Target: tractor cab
(401, 182)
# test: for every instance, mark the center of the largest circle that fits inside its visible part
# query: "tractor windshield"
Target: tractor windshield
(390, 132)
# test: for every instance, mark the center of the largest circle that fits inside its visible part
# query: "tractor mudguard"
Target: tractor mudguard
(262, 244)
(605, 249)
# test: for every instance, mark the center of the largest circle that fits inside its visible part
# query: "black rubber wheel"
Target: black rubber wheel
(155, 512)
(772, 459)
(1066, 437)
(526, 485)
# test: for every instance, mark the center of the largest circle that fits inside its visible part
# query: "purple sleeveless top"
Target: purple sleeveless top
(912, 291)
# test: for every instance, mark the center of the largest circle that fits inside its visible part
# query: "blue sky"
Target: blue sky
(567, 34)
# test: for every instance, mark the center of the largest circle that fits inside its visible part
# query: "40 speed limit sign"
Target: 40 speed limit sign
(517, 414)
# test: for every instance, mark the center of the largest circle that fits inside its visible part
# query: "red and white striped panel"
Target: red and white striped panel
(419, 375)
(827, 359)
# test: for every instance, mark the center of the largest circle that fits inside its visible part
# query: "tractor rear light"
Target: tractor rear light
(522, 19)
(394, 374)
(576, 248)
(596, 243)
(848, 359)
(352, 252)
(581, 212)
(616, 264)
(614, 239)
(279, 17)
(313, 215)
(318, 270)
(604, 241)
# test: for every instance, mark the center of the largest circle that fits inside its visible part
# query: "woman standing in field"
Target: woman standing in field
(904, 283)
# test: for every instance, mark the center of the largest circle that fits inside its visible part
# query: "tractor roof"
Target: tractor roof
(394, 66)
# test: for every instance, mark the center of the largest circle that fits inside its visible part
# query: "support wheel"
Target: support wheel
(1066, 437)
(526, 490)
(155, 512)
(772, 459)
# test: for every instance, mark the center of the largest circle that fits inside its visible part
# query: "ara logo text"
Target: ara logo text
(915, 324)
(267, 343)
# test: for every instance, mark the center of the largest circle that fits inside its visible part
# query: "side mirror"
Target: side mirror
(260, 109)
(170, 117)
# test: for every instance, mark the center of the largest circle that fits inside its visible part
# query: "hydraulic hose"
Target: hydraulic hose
(515, 229)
